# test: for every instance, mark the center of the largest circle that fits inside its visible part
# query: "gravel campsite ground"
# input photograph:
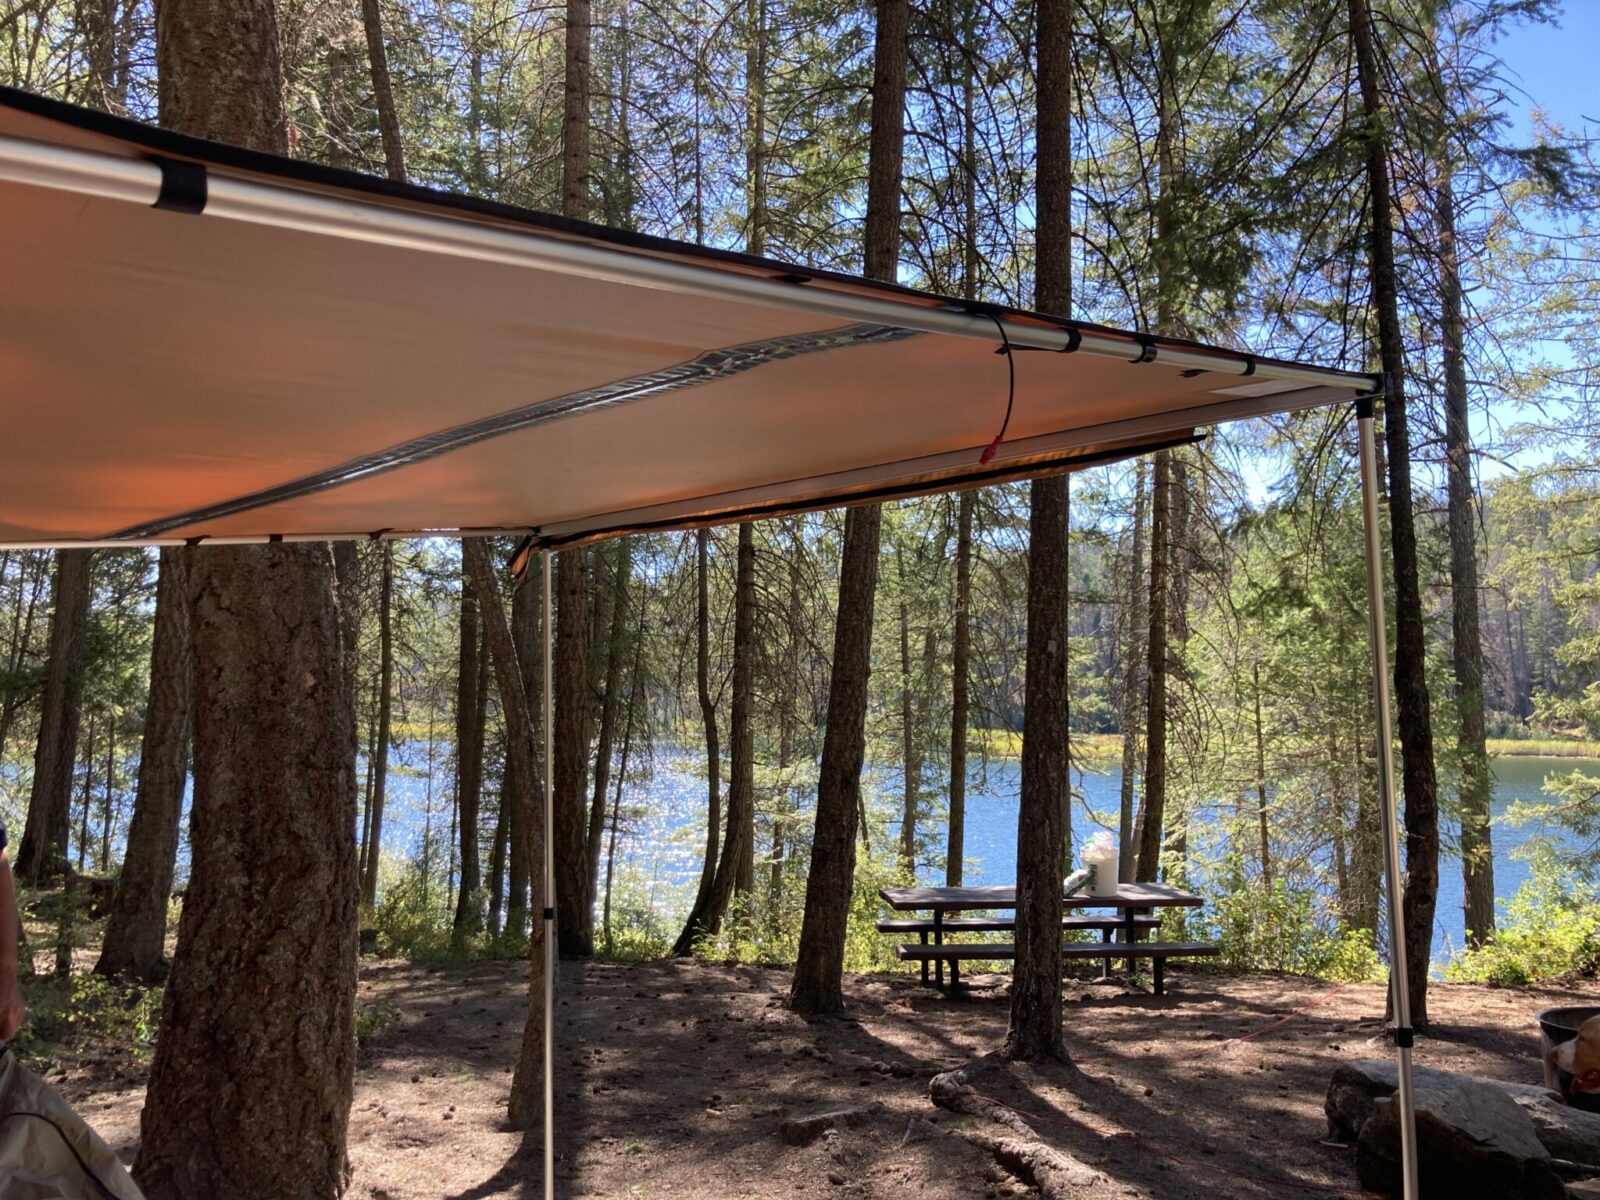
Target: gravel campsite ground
(676, 1077)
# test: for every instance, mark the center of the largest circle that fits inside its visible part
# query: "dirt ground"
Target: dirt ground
(674, 1078)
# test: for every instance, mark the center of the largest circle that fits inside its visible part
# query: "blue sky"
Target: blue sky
(1554, 65)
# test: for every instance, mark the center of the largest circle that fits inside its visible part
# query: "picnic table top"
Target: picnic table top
(958, 899)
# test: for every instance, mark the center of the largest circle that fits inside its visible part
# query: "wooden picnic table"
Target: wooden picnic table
(1132, 901)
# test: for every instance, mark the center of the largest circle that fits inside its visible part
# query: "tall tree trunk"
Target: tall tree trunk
(471, 712)
(527, 1084)
(634, 688)
(574, 925)
(616, 650)
(135, 940)
(42, 854)
(1466, 644)
(250, 1089)
(1261, 778)
(817, 986)
(378, 751)
(525, 636)
(570, 768)
(960, 658)
(394, 158)
(497, 862)
(910, 759)
(818, 983)
(737, 863)
(251, 1084)
(1152, 811)
(1410, 679)
(575, 175)
(694, 926)
(1133, 675)
(1034, 1032)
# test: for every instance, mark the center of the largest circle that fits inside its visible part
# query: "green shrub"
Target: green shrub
(1282, 928)
(1550, 927)
(86, 1013)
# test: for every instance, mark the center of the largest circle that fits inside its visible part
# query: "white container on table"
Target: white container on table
(1100, 857)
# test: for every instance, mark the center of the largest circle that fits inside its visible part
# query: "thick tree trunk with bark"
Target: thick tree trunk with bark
(471, 711)
(136, 931)
(527, 1084)
(1034, 1032)
(960, 666)
(394, 158)
(251, 1083)
(820, 962)
(1410, 680)
(42, 853)
(250, 1089)
(1035, 1029)
(910, 751)
(1152, 811)
(575, 177)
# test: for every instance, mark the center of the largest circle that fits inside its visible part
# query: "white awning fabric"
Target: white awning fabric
(202, 343)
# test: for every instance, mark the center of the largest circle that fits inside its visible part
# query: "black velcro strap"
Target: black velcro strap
(1147, 350)
(1405, 1037)
(1366, 407)
(183, 187)
(1249, 366)
(549, 914)
(1074, 340)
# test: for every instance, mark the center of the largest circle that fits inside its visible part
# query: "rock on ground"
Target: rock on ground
(1474, 1142)
(804, 1129)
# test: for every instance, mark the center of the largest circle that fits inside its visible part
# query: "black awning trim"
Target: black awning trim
(893, 491)
(183, 187)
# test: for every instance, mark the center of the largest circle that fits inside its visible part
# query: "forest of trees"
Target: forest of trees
(1341, 181)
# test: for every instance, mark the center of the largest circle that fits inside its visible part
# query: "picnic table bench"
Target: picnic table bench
(1133, 904)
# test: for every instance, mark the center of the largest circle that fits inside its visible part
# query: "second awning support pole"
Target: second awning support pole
(1379, 641)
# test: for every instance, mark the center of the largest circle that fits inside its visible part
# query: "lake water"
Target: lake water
(662, 842)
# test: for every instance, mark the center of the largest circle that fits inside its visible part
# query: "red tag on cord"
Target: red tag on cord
(983, 459)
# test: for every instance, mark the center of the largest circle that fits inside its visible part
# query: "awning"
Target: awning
(203, 343)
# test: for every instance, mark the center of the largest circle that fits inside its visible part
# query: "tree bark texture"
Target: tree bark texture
(817, 986)
(616, 652)
(527, 1083)
(372, 855)
(694, 926)
(521, 871)
(231, 74)
(734, 869)
(575, 176)
(394, 156)
(1466, 643)
(471, 710)
(1035, 1028)
(251, 1084)
(1133, 676)
(574, 922)
(42, 853)
(1412, 713)
(960, 666)
(1152, 811)
(136, 930)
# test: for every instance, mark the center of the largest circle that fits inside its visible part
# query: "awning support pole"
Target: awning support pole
(1378, 639)
(549, 914)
